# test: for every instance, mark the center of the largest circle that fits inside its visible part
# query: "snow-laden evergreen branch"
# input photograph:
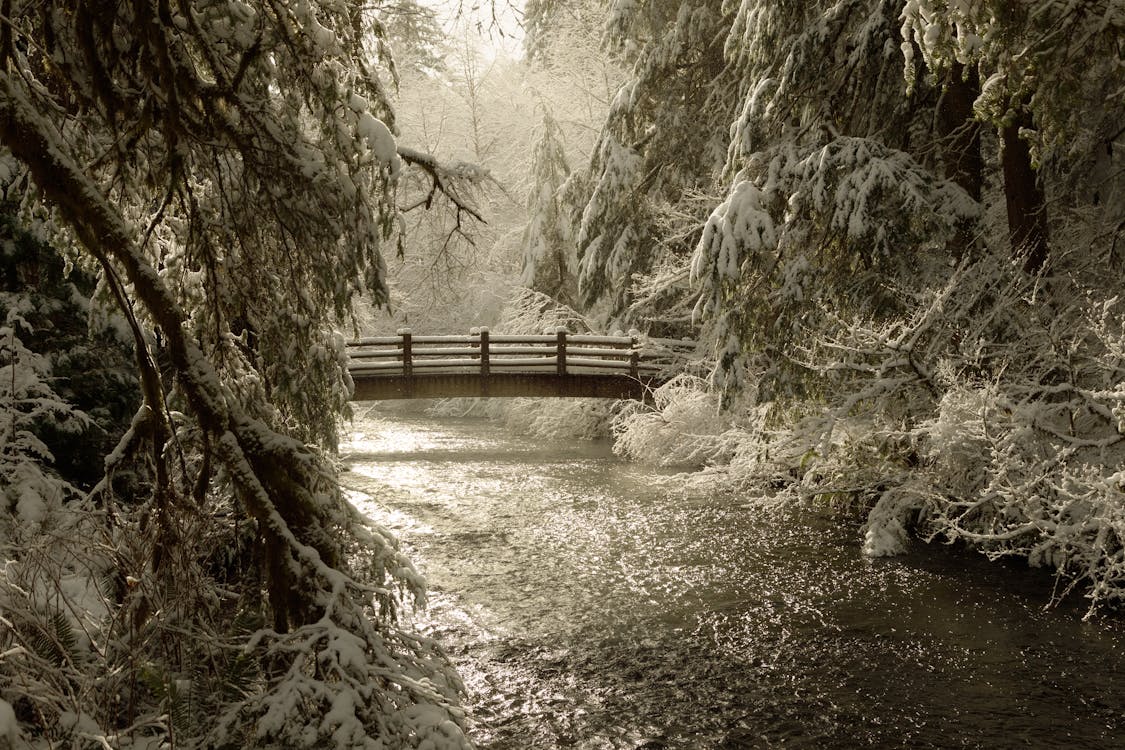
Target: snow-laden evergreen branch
(235, 167)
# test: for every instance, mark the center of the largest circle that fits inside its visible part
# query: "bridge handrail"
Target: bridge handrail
(562, 352)
(502, 338)
(395, 350)
(511, 363)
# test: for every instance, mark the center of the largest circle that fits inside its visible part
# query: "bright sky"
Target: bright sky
(498, 22)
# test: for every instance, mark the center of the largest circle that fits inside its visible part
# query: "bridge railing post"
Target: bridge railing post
(407, 353)
(560, 352)
(634, 355)
(484, 364)
(407, 363)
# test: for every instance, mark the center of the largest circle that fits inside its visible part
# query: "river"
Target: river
(593, 603)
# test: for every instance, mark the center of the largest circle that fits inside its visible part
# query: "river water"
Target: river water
(593, 603)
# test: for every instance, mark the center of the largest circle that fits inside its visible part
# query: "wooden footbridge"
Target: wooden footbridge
(488, 365)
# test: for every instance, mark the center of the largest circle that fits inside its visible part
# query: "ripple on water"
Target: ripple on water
(588, 606)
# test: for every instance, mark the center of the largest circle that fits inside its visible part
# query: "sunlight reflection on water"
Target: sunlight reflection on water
(590, 603)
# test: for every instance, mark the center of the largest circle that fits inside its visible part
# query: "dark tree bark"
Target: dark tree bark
(1027, 210)
(271, 472)
(959, 131)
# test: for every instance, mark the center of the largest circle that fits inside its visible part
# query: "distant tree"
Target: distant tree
(568, 69)
(414, 34)
(228, 170)
(457, 260)
(549, 261)
(665, 138)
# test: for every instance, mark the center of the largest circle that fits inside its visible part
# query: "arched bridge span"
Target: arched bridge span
(482, 364)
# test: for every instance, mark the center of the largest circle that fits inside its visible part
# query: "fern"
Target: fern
(52, 639)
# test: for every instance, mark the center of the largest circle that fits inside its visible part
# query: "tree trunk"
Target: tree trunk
(959, 132)
(273, 474)
(1027, 211)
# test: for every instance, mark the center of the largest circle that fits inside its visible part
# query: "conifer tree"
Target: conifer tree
(1048, 72)
(834, 193)
(665, 137)
(228, 170)
(549, 263)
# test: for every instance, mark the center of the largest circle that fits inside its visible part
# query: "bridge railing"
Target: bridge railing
(407, 354)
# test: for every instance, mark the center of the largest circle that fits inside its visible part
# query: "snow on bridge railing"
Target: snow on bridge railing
(562, 353)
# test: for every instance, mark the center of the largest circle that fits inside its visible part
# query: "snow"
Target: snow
(357, 103)
(9, 727)
(886, 534)
(341, 715)
(740, 224)
(79, 723)
(325, 38)
(381, 141)
(30, 506)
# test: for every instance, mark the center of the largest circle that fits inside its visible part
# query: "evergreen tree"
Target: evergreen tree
(549, 263)
(665, 138)
(415, 37)
(835, 193)
(1050, 73)
(228, 171)
(83, 355)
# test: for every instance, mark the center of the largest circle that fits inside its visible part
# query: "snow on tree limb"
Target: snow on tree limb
(234, 164)
(447, 181)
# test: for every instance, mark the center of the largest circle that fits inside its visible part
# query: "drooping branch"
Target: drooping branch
(446, 180)
(283, 507)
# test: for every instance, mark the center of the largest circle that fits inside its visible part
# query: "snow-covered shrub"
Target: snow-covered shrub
(30, 490)
(683, 427)
(531, 312)
(557, 418)
(56, 636)
(71, 362)
(575, 418)
(988, 411)
(990, 415)
(1028, 463)
(50, 603)
(352, 675)
(111, 635)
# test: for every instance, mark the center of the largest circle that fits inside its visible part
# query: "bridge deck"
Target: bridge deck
(502, 385)
(483, 365)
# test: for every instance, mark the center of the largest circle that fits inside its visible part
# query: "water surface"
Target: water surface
(592, 603)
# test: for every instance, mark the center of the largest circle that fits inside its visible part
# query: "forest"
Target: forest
(895, 227)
